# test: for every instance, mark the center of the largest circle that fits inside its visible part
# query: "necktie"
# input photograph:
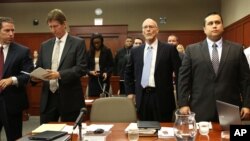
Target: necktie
(215, 58)
(54, 65)
(146, 67)
(1, 63)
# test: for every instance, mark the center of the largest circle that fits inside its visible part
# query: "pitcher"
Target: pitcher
(185, 126)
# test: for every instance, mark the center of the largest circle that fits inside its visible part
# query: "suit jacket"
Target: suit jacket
(120, 61)
(200, 87)
(167, 62)
(71, 67)
(18, 59)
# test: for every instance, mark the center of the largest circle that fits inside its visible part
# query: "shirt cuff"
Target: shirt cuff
(14, 81)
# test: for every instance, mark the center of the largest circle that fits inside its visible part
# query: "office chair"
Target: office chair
(113, 109)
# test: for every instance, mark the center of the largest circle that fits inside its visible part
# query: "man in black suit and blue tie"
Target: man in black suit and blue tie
(152, 88)
(14, 58)
(64, 59)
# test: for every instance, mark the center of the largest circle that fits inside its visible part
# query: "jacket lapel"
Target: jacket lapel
(225, 50)
(65, 50)
(10, 56)
(206, 55)
(158, 54)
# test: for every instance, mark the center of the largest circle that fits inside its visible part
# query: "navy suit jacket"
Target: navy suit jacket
(167, 62)
(18, 59)
(200, 87)
(72, 67)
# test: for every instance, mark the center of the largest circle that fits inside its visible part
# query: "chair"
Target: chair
(113, 109)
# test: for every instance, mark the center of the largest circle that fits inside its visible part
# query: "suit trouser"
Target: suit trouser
(12, 123)
(149, 109)
(54, 113)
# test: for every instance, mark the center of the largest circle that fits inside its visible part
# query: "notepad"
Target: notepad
(51, 127)
(48, 135)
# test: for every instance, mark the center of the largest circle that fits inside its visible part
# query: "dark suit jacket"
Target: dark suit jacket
(106, 66)
(198, 80)
(18, 59)
(167, 62)
(71, 67)
(120, 61)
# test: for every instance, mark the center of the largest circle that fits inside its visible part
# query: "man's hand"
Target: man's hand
(5, 83)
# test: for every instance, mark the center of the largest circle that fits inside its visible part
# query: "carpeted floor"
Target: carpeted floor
(28, 126)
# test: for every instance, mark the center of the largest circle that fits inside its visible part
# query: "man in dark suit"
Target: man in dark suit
(213, 69)
(120, 61)
(154, 99)
(62, 95)
(14, 58)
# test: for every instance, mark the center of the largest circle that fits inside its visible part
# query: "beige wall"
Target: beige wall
(180, 14)
(233, 10)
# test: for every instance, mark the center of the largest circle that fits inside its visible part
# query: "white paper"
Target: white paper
(39, 73)
(131, 126)
(69, 129)
(166, 132)
(105, 127)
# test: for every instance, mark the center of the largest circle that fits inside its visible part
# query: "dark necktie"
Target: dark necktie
(146, 68)
(215, 58)
(1, 62)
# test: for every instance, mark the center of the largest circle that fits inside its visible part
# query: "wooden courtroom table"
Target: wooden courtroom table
(118, 133)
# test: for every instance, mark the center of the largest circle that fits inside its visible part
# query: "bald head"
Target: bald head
(149, 20)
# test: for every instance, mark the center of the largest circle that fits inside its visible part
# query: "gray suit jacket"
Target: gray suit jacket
(199, 87)
(71, 67)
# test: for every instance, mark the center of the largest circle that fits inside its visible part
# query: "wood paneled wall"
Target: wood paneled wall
(239, 31)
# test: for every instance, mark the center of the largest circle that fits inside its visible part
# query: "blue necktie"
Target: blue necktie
(146, 67)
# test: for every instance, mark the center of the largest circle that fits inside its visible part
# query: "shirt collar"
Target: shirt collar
(218, 43)
(4, 45)
(154, 44)
(64, 37)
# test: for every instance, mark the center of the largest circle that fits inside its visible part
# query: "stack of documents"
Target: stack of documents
(142, 131)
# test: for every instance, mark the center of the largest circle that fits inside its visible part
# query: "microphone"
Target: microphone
(83, 111)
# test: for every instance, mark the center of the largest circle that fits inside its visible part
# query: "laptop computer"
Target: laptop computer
(229, 114)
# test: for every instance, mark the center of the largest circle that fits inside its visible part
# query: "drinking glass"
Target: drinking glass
(133, 134)
(204, 127)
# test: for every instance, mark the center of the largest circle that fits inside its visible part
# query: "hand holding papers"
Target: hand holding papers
(38, 73)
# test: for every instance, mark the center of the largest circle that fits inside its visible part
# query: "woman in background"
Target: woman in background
(99, 65)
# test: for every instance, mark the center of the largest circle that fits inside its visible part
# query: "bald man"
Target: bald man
(154, 99)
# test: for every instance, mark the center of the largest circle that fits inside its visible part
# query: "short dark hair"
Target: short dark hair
(138, 38)
(56, 14)
(5, 19)
(212, 13)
